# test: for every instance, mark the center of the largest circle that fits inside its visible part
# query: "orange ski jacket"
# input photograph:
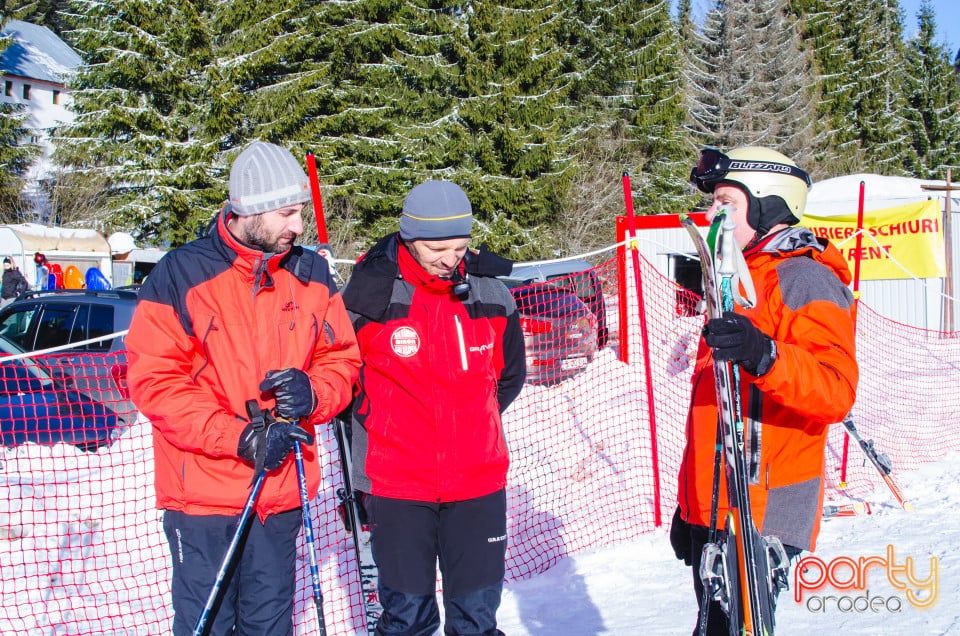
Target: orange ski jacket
(212, 318)
(804, 305)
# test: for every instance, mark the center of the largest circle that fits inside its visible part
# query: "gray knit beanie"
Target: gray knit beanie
(436, 210)
(266, 177)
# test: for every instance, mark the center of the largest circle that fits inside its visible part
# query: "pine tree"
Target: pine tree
(139, 102)
(650, 44)
(514, 119)
(628, 91)
(933, 92)
(751, 80)
(876, 75)
(48, 13)
(822, 24)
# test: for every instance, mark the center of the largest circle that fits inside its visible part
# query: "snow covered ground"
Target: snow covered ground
(640, 588)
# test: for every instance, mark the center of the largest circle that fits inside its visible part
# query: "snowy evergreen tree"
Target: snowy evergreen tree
(139, 103)
(839, 150)
(512, 109)
(877, 73)
(649, 43)
(49, 13)
(751, 80)
(933, 92)
(15, 159)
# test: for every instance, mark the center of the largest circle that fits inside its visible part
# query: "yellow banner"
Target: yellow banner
(901, 242)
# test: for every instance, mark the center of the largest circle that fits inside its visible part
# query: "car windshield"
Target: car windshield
(21, 367)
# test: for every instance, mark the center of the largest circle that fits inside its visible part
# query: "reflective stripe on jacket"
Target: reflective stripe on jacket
(804, 305)
(212, 318)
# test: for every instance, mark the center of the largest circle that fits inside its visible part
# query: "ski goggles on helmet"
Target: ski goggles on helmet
(713, 167)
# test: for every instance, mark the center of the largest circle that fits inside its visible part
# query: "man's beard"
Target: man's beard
(254, 236)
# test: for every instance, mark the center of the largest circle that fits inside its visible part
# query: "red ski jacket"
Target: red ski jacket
(803, 304)
(438, 370)
(212, 318)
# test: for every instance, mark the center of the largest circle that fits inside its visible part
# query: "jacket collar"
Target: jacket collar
(370, 286)
(256, 266)
(801, 241)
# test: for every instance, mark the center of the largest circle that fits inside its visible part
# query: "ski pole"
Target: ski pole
(308, 536)
(228, 557)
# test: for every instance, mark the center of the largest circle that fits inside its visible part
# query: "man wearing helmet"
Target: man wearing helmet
(795, 348)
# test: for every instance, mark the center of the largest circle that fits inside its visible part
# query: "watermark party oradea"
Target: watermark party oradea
(844, 584)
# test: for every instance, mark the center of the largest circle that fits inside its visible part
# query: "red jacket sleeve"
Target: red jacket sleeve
(160, 377)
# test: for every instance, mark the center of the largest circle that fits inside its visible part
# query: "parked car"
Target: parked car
(43, 319)
(574, 276)
(39, 320)
(35, 407)
(559, 331)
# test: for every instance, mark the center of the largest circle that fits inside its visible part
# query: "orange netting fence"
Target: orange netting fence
(81, 545)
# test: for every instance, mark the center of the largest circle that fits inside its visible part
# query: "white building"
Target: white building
(37, 67)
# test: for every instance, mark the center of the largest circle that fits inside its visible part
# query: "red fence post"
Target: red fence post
(645, 342)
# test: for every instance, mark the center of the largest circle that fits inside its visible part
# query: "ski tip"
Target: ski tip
(907, 505)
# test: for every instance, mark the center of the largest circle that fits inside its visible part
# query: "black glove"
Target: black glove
(680, 538)
(293, 391)
(733, 337)
(266, 442)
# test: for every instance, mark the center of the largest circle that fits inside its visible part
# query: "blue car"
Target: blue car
(35, 407)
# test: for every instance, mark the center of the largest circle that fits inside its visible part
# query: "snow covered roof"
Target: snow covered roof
(841, 195)
(40, 238)
(37, 53)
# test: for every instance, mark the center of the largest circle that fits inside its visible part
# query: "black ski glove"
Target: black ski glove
(292, 389)
(680, 538)
(266, 442)
(733, 337)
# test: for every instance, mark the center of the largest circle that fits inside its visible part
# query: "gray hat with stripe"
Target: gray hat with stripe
(436, 210)
(266, 177)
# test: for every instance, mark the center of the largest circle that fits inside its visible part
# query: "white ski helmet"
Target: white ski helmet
(776, 187)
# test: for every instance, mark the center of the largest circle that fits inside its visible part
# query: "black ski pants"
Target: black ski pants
(467, 538)
(256, 596)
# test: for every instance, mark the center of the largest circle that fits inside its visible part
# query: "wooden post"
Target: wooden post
(949, 288)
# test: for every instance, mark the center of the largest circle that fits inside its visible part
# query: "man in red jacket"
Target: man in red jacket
(796, 350)
(241, 314)
(443, 357)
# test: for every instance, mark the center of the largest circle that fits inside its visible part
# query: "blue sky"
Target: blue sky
(947, 14)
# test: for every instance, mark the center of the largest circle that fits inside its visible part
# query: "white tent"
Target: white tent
(64, 246)
(841, 195)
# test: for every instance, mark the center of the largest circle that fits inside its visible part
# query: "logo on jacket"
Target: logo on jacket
(405, 342)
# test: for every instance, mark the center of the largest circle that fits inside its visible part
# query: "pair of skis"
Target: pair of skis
(880, 461)
(746, 573)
